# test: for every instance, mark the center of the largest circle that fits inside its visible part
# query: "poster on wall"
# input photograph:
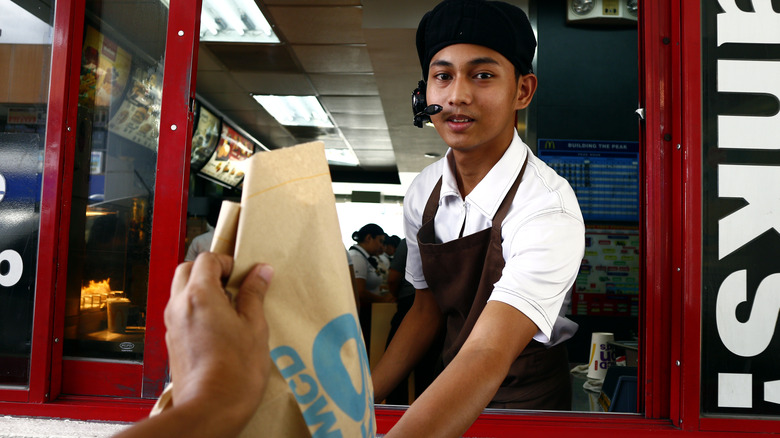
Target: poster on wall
(603, 174)
(608, 281)
(204, 139)
(740, 307)
(105, 70)
(138, 118)
(225, 164)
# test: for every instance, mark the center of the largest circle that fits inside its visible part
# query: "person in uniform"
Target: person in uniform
(495, 237)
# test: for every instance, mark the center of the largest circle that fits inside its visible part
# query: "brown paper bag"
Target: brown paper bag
(320, 385)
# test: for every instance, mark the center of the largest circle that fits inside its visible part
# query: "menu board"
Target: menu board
(204, 139)
(608, 281)
(105, 69)
(138, 118)
(226, 163)
(603, 174)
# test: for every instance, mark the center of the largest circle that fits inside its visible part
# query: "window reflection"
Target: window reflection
(119, 98)
(25, 51)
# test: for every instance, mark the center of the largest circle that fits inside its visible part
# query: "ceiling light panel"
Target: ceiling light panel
(295, 110)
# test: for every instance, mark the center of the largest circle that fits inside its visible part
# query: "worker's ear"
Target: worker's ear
(526, 87)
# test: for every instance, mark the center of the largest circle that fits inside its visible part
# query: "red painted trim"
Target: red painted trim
(111, 379)
(83, 408)
(691, 139)
(172, 184)
(73, 64)
(14, 395)
(655, 89)
(733, 425)
(54, 181)
(677, 226)
(546, 425)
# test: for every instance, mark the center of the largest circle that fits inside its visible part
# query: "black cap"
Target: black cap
(494, 24)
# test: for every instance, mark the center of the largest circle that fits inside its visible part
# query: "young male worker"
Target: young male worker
(495, 237)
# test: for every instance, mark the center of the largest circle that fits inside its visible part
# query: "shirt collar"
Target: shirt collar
(362, 251)
(489, 193)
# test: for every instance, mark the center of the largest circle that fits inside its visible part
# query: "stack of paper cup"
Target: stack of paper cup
(601, 355)
(118, 308)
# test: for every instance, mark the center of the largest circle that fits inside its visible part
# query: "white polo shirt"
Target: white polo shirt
(543, 233)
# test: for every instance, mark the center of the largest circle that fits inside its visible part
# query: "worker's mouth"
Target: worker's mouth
(459, 122)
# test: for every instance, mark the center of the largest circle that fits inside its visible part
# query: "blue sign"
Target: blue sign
(603, 174)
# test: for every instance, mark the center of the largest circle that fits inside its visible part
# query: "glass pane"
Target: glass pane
(114, 176)
(740, 345)
(25, 51)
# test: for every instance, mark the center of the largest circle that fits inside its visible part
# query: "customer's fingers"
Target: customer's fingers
(251, 294)
(180, 277)
(210, 269)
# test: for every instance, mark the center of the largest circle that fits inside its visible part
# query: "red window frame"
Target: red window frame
(660, 206)
(131, 387)
(670, 93)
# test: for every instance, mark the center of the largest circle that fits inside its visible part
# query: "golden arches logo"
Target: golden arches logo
(549, 144)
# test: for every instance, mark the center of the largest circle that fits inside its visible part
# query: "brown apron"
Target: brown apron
(461, 275)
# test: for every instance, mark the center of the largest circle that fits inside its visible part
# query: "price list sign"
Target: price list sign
(603, 174)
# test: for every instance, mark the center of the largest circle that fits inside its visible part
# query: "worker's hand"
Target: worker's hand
(387, 298)
(218, 355)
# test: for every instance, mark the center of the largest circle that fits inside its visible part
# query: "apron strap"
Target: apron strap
(433, 203)
(503, 209)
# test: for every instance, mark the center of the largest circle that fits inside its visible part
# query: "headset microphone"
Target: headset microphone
(422, 111)
(430, 110)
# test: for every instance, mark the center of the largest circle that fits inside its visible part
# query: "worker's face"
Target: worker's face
(376, 245)
(479, 94)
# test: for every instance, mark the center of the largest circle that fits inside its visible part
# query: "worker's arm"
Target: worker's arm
(354, 286)
(414, 337)
(394, 281)
(368, 297)
(456, 398)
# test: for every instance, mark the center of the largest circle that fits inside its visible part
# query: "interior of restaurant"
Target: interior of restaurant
(356, 62)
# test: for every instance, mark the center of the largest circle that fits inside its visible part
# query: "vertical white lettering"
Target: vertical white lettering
(14, 261)
(758, 186)
(749, 132)
(737, 26)
(9, 257)
(752, 337)
(735, 390)
(772, 391)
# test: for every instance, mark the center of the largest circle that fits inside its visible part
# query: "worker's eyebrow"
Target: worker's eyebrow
(441, 63)
(475, 61)
(483, 60)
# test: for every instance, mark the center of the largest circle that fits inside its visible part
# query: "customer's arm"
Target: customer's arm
(219, 355)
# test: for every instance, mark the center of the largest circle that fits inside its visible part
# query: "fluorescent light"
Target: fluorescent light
(295, 110)
(233, 21)
(344, 157)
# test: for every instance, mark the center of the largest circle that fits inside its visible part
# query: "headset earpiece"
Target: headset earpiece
(419, 104)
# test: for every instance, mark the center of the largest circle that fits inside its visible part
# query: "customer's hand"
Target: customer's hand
(218, 354)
